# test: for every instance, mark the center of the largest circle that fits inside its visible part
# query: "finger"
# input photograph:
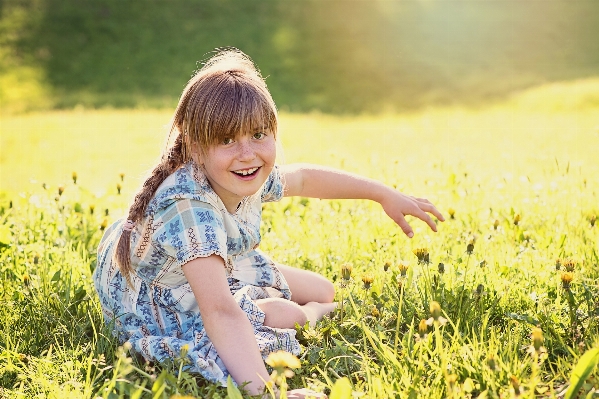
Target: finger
(430, 208)
(405, 226)
(423, 200)
(426, 218)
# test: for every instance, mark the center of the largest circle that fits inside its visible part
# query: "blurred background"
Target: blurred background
(350, 56)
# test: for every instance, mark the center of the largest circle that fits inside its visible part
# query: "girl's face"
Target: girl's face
(238, 166)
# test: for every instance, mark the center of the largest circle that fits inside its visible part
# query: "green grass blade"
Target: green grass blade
(341, 389)
(232, 390)
(582, 370)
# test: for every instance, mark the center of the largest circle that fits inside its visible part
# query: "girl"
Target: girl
(185, 269)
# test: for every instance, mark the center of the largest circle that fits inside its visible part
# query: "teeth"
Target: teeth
(246, 172)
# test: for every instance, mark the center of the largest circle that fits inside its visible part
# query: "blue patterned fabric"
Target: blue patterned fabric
(186, 220)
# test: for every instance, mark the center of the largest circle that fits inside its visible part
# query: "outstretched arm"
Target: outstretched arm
(315, 181)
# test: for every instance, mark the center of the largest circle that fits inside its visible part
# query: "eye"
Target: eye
(259, 135)
(227, 140)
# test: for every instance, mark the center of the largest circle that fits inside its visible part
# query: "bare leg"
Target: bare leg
(281, 313)
(307, 286)
(315, 310)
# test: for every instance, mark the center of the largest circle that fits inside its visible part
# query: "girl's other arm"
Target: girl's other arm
(327, 183)
(226, 323)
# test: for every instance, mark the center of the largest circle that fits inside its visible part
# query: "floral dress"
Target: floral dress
(187, 220)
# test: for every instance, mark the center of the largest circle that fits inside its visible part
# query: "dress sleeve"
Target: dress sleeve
(190, 229)
(273, 188)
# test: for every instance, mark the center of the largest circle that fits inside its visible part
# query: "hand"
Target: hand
(398, 205)
(305, 393)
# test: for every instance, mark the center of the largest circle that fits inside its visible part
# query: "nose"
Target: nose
(246, 151)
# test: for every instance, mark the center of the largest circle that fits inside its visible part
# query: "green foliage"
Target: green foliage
(331, 56)
(583, 369)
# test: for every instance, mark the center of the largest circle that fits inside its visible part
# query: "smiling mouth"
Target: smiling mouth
(246, 172)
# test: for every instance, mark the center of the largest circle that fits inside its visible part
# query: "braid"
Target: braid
(169, 163)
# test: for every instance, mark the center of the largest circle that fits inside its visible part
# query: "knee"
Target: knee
(297, 316)
(327, 292)
(282, 313)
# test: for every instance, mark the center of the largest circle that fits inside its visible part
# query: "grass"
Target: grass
(518, 177)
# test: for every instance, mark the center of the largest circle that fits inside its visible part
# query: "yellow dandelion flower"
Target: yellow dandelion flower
(367, 279)
(60, 190)
(184, 350)
(403, 268)
(569, 265)
(422, 329)
(122, 176)
(422, 254)
(567, 278)
(516, 385)
(282, 359)
(436, 317)
(451, 213)
(346, 270)
(374, 312)
(118, 188)
(74, 176)
(517, 219)
(435, 310)
(537, 338)
(496, 224)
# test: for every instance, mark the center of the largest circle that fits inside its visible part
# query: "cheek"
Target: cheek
(269, 151)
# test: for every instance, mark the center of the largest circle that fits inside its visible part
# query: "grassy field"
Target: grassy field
(514, 269)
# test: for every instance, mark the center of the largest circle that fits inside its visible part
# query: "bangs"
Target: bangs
(219, 103)
(237, 108)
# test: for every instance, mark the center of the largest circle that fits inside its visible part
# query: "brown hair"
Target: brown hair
(227, 96)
